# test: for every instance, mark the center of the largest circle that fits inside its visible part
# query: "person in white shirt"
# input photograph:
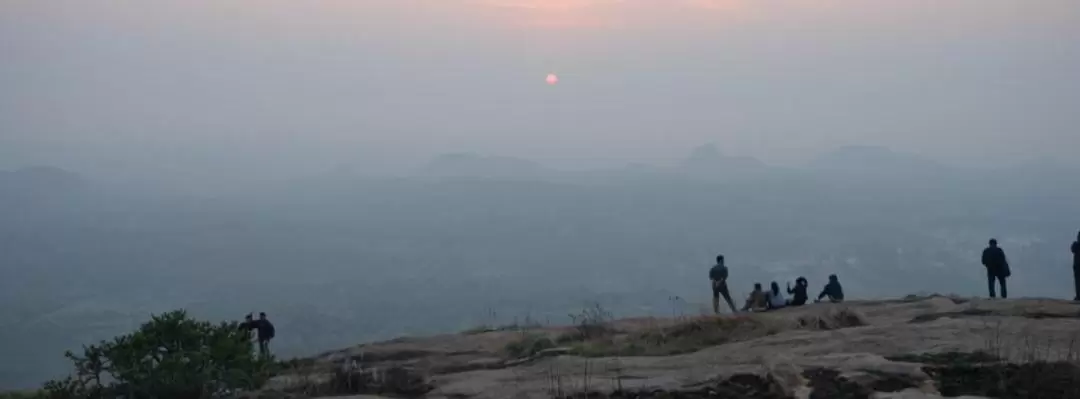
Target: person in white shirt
(776, 297)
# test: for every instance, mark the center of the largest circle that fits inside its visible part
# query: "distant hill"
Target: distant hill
(467, 165)
(875, 160)
(707, 160)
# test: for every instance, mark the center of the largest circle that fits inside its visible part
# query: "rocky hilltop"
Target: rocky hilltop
(917, 347)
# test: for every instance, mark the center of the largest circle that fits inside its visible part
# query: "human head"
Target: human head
(248, 317)
(262, 315)
(757, 286)
(801, 281)
(775, 287)
(719, 259)
(993, 242)
(832, 277)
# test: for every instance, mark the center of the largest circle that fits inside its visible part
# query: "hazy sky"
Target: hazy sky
(229, 87)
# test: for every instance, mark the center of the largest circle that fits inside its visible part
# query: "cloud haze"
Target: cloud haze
(277, 87)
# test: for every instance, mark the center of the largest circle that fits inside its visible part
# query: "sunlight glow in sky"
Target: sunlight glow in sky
(172, 83)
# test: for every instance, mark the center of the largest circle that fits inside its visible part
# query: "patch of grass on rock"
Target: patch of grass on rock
(946, 358)
(528, 345)
(1043, 380)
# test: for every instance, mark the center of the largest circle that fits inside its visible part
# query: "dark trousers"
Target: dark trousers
(1076, 281)
(720, 289)
(264, 347)
(990, 277)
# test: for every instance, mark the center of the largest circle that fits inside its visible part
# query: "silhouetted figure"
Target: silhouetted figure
(776, 297)
(997, 268)
(799, 296)
(1076, 266)
(266, 332)
(718, 275)
(248, 324)
(832, 290)
(758, 301)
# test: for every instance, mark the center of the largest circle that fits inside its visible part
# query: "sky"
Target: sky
(212, 88)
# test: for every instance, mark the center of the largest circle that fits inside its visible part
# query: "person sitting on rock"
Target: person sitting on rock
(758, 301)
(799, 293)
(776, 297)
(833, 290)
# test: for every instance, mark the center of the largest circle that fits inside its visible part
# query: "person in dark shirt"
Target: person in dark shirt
(1076, 266)
(247, 325)
(833, 290)
(718, 275)
(265, 331)
(799, 292)
(997, 268)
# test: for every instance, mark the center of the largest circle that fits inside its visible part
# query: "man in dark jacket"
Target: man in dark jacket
(265, 333)
(833, 290)
(1076, 265)
(997, 268)
(718, 275)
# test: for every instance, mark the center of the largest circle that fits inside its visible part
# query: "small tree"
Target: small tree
(171, 356)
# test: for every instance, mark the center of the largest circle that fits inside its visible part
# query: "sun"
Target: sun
(552, 79)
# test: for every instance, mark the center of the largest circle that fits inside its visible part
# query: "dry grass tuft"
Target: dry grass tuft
(598, 339)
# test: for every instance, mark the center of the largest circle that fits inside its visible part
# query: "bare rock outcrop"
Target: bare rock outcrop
(917, 347)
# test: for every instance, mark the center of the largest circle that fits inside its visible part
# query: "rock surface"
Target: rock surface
(900, 349)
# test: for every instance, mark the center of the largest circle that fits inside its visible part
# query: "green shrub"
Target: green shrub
(528, 345)
(590, 323)
(22, 395)
(171, 356)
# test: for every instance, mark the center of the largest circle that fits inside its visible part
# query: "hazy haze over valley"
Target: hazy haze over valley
(368, 169)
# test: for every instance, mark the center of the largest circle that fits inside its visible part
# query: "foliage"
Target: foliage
(22, 395)
(171, 356)
(592, 322)
(528, 345)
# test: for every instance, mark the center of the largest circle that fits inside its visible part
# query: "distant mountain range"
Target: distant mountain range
(478, 166)
(709, 162)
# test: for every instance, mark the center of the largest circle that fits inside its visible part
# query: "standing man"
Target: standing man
(1076, 265)
(718, 275)
(265, 331)
(997, 268)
